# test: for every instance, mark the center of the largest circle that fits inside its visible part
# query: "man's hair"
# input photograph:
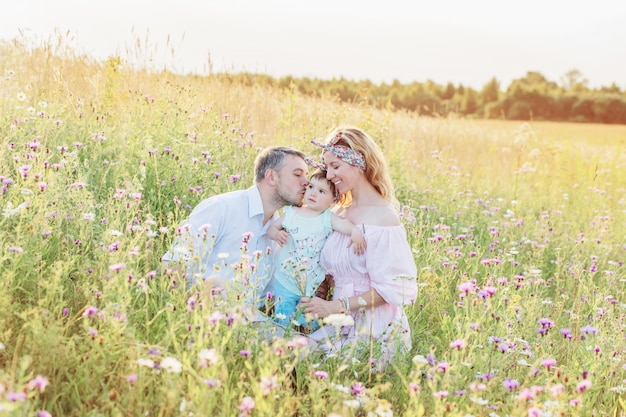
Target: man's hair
(272, 157)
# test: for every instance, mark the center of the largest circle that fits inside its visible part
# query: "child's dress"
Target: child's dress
(298, 272)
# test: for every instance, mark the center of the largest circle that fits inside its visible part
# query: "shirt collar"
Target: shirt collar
(255, 203)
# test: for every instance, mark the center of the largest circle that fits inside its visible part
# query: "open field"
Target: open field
(517, 230)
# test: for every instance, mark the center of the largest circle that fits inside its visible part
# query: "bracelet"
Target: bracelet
(345, 302)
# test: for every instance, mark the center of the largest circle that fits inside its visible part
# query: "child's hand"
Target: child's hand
(282, 237)
(358, 241)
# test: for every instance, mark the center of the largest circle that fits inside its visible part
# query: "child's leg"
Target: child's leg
(285, 304)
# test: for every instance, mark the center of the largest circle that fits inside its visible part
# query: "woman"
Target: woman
(371, 288)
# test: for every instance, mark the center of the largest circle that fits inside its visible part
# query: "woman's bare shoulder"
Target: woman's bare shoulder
(378, 214)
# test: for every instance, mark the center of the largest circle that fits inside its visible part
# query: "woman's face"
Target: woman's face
(340, 173)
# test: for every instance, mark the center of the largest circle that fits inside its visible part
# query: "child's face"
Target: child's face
(318, 195)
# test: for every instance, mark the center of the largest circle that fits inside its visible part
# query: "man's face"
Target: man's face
(292, 182)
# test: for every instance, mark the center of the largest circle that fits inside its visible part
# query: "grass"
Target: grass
(517, 231)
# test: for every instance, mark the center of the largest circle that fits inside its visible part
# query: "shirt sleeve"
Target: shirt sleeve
(390, 265)
(196, 235)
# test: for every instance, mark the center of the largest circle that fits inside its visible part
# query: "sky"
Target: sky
(459, 41)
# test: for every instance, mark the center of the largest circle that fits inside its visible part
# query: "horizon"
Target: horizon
(451, 42)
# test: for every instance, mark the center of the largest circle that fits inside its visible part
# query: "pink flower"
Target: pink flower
(321, 374)
(246, 406)
(269, 384)
(457, 344)
(441, 394)
(90, 311)
(39, 382)
(548, 363)
(510, 384)
(117, 267)
(357, 388)
(583, 385)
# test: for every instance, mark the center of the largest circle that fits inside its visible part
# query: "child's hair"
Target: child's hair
(320, 175)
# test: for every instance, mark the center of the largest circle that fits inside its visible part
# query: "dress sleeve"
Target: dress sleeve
(390, 264)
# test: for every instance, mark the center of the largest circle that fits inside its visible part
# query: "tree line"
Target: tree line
(532, 97)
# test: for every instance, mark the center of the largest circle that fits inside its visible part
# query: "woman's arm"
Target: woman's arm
(321, 308)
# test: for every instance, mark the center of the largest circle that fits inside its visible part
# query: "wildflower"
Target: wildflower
(245, 353)
(117, 267)
(132, 378)
(234, 178)
(171, 365)
(383, 409)
(567, 333)
(93, 333)
(39, 382)
(246, 406)
(557, 390)
(357, 388)
(321, 374)
(548, 363)
(575, 402)
(510, 384)
(583, 385)
(90, 311)
(191, 303)
(148, 363)
(441, 394)
(339, 320)
(43, 413)
(16, 249)
(212, 383)
(21, 96)
(589, 329)
(269, 384)
(208, 357)
(457, 344)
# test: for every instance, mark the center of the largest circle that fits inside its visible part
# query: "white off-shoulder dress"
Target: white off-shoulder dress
(389, 268)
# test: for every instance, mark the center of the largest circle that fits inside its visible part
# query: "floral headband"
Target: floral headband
(314, 164)
(345, 153)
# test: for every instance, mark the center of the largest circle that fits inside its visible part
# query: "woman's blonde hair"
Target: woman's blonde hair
(376, 170)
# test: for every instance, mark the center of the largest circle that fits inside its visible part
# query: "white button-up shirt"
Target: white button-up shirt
(225, 236)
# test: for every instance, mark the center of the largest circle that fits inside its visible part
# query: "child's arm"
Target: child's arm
(346, 227)
(276, 232)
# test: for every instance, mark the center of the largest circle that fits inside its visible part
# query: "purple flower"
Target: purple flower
(39, 382)
(510, 384)
(589, 329)
(583, 385)
(90, 311)
(357, 388)
(548, 363)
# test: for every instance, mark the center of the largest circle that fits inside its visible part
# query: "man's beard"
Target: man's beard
(281, 198)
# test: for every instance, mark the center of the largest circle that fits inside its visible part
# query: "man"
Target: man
(225, 240)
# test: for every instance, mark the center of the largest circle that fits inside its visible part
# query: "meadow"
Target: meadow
(517, 230)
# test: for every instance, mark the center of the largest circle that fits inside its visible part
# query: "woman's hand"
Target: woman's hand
(319, 308)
